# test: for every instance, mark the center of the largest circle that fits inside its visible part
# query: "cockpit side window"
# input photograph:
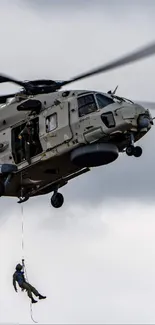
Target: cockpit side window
(86, 105)
(103, 101)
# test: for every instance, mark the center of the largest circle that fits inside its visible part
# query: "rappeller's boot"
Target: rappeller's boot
(42, 297)
(33, 301)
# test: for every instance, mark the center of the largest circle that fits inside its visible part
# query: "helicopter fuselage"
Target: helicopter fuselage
(63, 122)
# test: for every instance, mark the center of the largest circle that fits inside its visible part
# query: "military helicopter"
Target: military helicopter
(49, 136)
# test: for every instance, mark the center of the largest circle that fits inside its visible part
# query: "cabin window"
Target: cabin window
(51, 122)
(108, 119)
(86, 105)
(103, 101)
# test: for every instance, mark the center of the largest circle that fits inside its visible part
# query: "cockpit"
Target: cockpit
(91, 102)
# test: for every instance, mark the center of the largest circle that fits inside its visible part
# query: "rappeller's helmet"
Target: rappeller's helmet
(19, 267)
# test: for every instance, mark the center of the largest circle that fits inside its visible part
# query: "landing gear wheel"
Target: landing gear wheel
(130, 150)
(137, 152)
(57, 200)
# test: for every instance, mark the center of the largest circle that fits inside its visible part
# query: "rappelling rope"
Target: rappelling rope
(22, 243)
(22, 216)
(23, 260)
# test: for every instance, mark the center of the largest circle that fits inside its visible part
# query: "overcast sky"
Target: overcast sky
(95, 257)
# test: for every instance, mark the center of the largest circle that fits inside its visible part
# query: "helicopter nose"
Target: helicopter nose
(145, 120)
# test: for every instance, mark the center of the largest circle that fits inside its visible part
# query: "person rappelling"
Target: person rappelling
(27, 134)
(19, 277)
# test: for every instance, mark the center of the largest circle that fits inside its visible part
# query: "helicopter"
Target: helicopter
(49, 136)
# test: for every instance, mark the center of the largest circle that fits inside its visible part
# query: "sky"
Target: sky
(95, 257)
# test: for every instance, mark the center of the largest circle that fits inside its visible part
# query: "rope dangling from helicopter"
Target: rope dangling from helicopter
(20, 277)
(22, 241)
(23, 260)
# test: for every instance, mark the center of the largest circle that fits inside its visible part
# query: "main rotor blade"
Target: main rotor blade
(135, 56)
(8, 79)
(4, 98)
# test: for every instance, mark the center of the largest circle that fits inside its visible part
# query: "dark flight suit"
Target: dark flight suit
(18, 276)
(27, 134)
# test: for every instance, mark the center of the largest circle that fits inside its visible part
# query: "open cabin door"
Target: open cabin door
(24, 149)
(55, 126)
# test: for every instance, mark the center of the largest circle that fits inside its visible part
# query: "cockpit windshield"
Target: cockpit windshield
(103, 100)
(112, 98)
(122, 99)
(90, 102)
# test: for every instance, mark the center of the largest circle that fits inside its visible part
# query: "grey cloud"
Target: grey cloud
(69, 4)
(46, 9)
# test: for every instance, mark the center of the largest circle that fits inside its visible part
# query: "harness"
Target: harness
(20, 277)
